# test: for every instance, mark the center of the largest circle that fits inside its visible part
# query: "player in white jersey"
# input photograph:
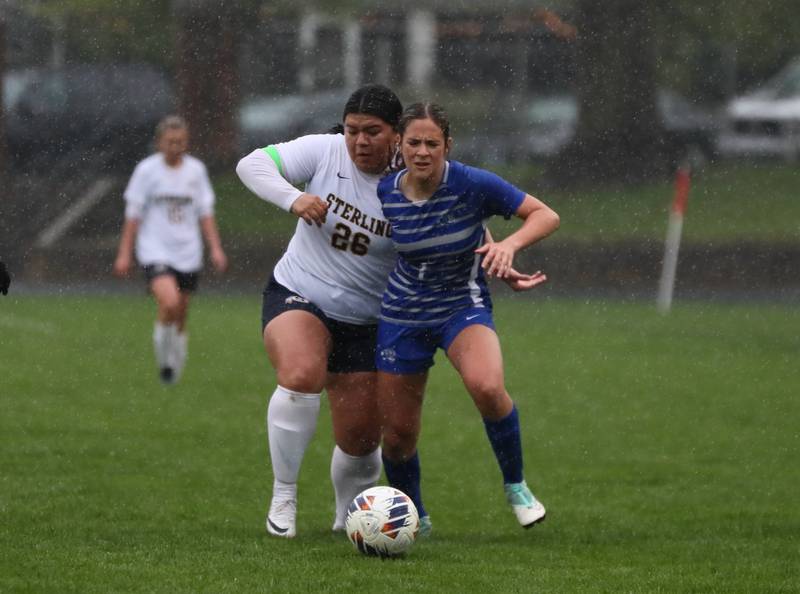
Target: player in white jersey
(437, 297)
(321, 305)
(169, 202)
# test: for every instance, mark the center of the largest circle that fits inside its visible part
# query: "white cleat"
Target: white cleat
(281, 518)
(528, 510)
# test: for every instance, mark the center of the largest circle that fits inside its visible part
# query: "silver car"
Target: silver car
(766, 122)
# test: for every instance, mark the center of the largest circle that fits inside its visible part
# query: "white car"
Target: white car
(766, 122)
(690, 130)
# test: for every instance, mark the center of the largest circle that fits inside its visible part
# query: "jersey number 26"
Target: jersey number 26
(345, 239)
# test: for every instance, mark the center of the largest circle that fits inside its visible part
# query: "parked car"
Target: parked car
(114, 107)
(766, 121)
(690, 130)
(268, 119)
(14, 82)
(552, 120)
(540, 128)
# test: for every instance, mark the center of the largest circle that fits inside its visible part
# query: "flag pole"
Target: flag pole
(666, 286)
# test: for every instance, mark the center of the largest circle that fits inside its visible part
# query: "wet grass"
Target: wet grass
(729, 202)
(665, 448)
(243, 217)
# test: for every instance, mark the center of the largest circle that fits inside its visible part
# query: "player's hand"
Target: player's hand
(524, 282)
(5, 279)
(219, 260)
(122, 265)
(497, 258)
(310, 208)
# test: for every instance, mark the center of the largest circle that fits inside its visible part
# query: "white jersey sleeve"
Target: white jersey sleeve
(260, 172)
(136, 193)
(300, 159)
(341, 266)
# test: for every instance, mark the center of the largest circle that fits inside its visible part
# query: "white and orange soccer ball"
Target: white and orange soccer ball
(382, 521)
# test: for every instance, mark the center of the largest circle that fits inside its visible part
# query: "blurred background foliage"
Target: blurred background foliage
(728, 45)
(224, 60)
(112, 30)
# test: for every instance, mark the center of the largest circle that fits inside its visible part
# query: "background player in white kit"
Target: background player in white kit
(169, 201)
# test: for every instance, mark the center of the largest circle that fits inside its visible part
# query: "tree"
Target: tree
(619, 136)
(109, 30)
(3, 152)
(749, 40)
(207, 75)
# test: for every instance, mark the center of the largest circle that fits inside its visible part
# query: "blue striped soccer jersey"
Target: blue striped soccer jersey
(437, 272)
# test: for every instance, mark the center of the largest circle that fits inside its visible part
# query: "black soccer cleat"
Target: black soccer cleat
(167, 375)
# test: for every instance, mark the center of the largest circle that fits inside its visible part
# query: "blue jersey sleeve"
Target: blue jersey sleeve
(498, 197)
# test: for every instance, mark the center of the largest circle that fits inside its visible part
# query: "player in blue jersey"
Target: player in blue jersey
(437, 297)
(320, 309)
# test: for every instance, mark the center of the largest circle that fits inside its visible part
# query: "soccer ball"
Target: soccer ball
(382, 521)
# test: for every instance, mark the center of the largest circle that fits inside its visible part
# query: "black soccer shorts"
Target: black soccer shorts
(353, 344)
(187, 281)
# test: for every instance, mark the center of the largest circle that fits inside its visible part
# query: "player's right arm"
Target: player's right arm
(135, 199)
(124, 259)
(260, 172)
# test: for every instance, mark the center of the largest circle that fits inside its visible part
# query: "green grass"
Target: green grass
(729, 203)
(665, 449)
(243, 217)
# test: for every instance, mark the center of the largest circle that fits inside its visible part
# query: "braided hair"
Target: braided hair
(376, 100)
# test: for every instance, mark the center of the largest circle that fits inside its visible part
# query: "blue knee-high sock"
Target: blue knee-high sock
(504, 435)
(406, 477)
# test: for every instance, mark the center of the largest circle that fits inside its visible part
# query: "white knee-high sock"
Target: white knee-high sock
(291, 422)
(164, 337)
(350, 475)
(180, 348)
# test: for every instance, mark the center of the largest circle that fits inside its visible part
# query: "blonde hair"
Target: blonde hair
(170, 122)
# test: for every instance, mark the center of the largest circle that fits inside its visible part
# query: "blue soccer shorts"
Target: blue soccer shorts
(406, 350)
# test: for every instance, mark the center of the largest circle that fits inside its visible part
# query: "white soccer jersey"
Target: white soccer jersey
(168, 202)
(343, 265)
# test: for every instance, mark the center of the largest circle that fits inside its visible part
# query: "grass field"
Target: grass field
(665, 448)
(729, 202)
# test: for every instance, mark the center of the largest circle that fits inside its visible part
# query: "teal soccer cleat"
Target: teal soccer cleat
(528, 510)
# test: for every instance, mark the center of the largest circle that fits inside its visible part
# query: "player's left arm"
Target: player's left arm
(538, 221)
(219, 260)
(519, 281)
(208, 224)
